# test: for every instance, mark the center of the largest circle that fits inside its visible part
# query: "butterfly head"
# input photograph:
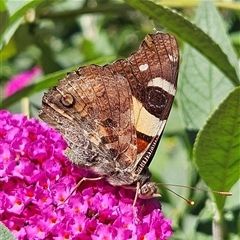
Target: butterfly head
(148, 190)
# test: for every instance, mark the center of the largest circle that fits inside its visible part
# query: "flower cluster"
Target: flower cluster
(36, 199)
(21, 80)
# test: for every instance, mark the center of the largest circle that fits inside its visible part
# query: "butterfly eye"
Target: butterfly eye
(67, 100)
(148, 190)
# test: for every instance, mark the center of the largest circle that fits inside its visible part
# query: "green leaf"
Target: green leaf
(202, 85)
(15, 19)
(4, 16)
(9, 50)
(189, 33)
(216, 150)
(5, 233)
(3, 7)
(46, 82)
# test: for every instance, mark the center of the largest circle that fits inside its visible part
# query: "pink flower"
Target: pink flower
(36, 183)
(21, 80)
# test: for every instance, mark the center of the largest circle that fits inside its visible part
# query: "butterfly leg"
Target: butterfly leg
(136, 193)
(78, 184)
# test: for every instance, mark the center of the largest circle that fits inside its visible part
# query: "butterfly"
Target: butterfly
(113, 116)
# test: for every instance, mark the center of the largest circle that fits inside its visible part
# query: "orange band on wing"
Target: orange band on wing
(141, 145)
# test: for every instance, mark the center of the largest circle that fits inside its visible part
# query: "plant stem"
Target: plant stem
(218, 226)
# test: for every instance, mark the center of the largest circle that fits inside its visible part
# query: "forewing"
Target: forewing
(152, 73)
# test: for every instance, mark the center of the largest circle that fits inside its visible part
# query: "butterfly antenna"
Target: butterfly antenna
(200, 189)
(190, 202)
(194, 188)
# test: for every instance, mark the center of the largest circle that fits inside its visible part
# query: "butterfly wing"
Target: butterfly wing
(92, 108)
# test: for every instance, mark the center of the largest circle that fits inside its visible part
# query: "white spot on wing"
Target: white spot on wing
(143, 67)
(172, 58)
(162, 83)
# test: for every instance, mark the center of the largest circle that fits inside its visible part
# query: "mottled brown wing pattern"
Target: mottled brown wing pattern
(93, 110)
(112, 117)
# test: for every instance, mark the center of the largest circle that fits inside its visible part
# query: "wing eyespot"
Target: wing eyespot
(67, 100)
(156, 100)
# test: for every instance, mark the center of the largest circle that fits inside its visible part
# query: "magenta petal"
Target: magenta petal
(21, 80)
(16, 225)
